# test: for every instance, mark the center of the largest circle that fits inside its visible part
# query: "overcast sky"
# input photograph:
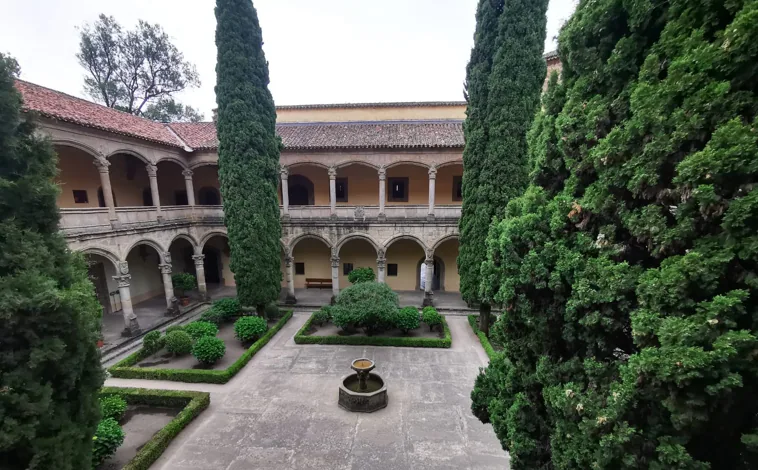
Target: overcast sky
(319, 51)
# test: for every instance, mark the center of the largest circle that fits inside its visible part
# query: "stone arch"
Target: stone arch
(406, 162)
(345, 163)
(356, 236)
(172, 159)
(208, 236)
(306, 163)
(303, 236)
(107, 254)
(450, 163)
(146, 241)
(78, 145)
(131, 152)
(442, 240)
(201, 163)
(392, 240)
(187, 237)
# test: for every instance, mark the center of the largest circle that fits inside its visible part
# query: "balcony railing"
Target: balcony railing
(76, 220)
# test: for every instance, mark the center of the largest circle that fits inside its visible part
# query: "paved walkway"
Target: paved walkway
(280, 411)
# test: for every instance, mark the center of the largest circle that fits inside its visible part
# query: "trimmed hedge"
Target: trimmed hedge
(482, 337)
(124, 369)
(192, 403)
(302, 337)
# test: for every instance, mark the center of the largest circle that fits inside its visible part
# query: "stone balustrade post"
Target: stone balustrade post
(172, 304)
(105, 183)
(432, 184)
(152, 174)
(202, 287)
(289, 263)
(382, 191)
(189, 187)
(332, 192)
(131, 325)
(285, 193)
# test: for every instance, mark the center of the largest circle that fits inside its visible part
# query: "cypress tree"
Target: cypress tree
(248, 154)
(628, 268)
(49, 317)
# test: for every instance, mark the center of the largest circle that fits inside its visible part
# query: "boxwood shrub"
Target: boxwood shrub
(368, 305)
(406, 319)
(472, 320)
(249, 328)
(107, 439)
(112, 407)
(198, 329)
(178, 343)
(228, 308)
(430, 316)
(208, 349)
(152, 341)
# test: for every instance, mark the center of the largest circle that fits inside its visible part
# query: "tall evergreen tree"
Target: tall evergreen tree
(49, 318)
(629, 269)
(248, 154)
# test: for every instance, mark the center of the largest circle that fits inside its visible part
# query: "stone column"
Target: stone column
(289, 263)
(429, 262)
(131, 326)
(382, 191)
(189, 186)
(172, 304)
(333, 191)
(432, 183)
(200, 273)
(285, 192)
(105, 182)
(381, 265)
(335, 276)
(152, 174)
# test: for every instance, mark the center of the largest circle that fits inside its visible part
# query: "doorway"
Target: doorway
(438, 278)
(212, 265)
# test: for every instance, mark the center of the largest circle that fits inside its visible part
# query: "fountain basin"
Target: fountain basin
(373, 398)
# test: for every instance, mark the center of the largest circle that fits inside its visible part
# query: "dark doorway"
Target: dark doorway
(212, 265)
(209, 196)
(300, 190)
(96, 271)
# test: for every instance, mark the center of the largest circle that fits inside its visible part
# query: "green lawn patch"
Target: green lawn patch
(190, 403)
(125, 368)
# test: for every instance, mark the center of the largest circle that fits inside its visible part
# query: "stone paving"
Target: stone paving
(280, 411)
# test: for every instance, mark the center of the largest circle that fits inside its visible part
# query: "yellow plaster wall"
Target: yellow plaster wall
(205, 176)
(146, 281)
(376, 113)
(221, 244)
(418, 184)
(128, 193)
(406, 254)
(362, 185)
(448, 253)
(76, 170)
(170, 180)
(358, 252)
(320, 179)
(443, 189)
(317, 259)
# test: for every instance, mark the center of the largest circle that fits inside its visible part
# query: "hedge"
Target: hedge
(192, 403)
(482, 337)
(124, 369)
(303, 338)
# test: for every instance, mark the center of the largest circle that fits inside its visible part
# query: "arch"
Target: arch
(406, 162)
(303, 236)
(146, 241)
(203, 163)
(356, 236)
(454, 236)
(208, 236)
(176, 160)
(104, 253)
(297, 164)
(209, 196)
(185, 236)
(131, 152)
(405, 237)
(300, 190)
(77, 145)
(450, 163)
(356, 162)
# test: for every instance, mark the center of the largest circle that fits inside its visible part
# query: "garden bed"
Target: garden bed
(489, 348)
(153, 418)
(329, 333)
(159, 366)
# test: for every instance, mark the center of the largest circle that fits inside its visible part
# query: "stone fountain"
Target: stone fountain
(363, 391)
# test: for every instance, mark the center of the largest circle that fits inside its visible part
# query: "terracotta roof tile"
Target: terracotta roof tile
(400, 104)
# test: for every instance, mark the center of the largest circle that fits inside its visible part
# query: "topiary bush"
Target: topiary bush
(212, 316)
(406, 319)
(228, 308)
(368, 305)
(107, 439)
(250, 328)
(361, 275)
(198, 329)
(272, 311)
(322, 315)
(173, 328)
(178, 343)
(208, 349)
(112, 406)
(430, 316)
(152, 341)
(183, 282)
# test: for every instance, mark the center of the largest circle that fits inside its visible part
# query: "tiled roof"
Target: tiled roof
(57, 105)
(551, 55)
(400, 104)
(198, 135)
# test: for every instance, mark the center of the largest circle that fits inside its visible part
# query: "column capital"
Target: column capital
(123, 268)
(198, 259)
(381, 254)
(102, 164)
(284, 172)
(152, 170)
(335, 261)
(433, 172)
(187, 174)
(288, 261)
(165, 268)
(124, 280)
(382, 173)
(332, 172)
(381, 263)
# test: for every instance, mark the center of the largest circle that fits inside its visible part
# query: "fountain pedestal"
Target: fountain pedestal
(363, 391)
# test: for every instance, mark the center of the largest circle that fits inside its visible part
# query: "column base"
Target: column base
(159, 218)
(115, 224)
(430, 218)
(132, 330)
(382, 217)
(333, 216)
(290, 300)
(173, 310)
(285, 217)
(428, 300)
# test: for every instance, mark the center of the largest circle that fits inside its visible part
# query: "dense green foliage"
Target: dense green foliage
(628, 271)
(107, 439)
(361, 275)
(208, 349)
(153, 341)
(126, 368)
(431, 317)
(173, 328)
(406, 319)
(248, 154)
(198, 329)
(367, 305)
(322, 315)
(178, 342)
(212, 315)
(248, 329)
(49, 316)
(112, 406)
(272, 311)
(504, 80)
(183, 282)
(229, 308)
(483, 339)
(191, 404)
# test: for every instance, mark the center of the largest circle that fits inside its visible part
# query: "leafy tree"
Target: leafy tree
(49, 317)
(628, 271)
(136, 71)
(248, 154)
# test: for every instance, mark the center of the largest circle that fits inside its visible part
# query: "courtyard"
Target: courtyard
(280, 411)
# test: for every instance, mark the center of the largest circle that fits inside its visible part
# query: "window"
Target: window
(181, 198)
(392, 269)
(457, 188)
(347, 268)
(80, 196)
(398, 189)
(341, 186)
(300, 269)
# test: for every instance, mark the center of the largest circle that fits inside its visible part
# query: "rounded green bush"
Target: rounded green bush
(212, 316)
(430, 316)
(361, 275)
(209, 349)
(178, 343)
(228, 308)
(368, 305)
(198, 329)
(407, 319)
(173, 328)
(272, 311)
(107, 439)
(112, 406)
(152, 341)
(250, 328)
(183, 282)
(322, 315)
